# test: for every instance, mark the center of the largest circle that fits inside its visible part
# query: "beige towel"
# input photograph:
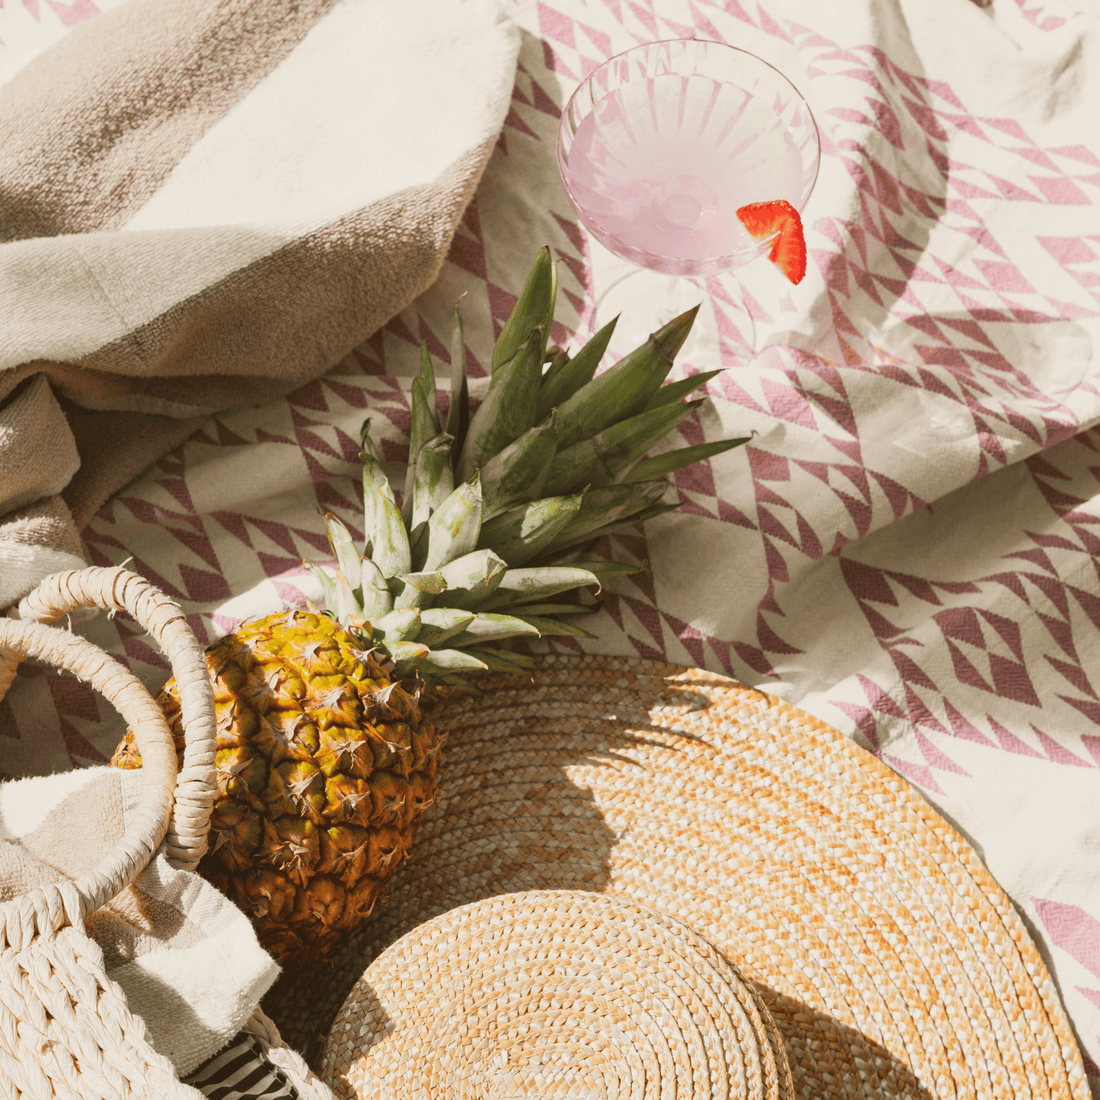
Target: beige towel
(205, 204)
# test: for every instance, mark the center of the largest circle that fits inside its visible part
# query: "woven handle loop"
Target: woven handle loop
(45, 910)
(118, 589)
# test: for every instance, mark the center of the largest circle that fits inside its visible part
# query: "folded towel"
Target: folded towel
(187, 959)
(207, 203)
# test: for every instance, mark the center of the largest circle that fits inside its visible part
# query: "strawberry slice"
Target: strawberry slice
(788, 253)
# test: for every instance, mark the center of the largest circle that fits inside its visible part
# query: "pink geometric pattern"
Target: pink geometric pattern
(1036, 13)
(30, 27)
(909, 546)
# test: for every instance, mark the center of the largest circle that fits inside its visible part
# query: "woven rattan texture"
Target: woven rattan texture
(66, 1030)
(555, 994)
(45, 909)
(891, 961)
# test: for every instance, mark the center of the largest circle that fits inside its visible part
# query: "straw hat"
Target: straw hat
(560, 994)
(727, 861)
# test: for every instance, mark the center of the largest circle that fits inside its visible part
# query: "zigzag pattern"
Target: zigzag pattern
(928, 386)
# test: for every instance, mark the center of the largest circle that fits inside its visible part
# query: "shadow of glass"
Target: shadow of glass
(1028, 353)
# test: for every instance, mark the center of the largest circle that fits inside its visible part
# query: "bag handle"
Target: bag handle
(50, 907)
(119, 589)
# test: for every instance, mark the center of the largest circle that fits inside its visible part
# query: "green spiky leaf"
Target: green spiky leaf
(424, 426)
(534, 309)
(675, 391)
(417, 589)
(438, 624)
(602, 569)
(431, 581)
(526, 585)
(555, 359)
(500, 660)
(458, 412)
(432, 483)
(507, 411)
(427, 383)
(397, 626)
(454, 526)
(549, 462)
(451, 660)
(625, 388)
(518, 473)
(326, 583)
(407, 656)
(493, 627)
(600, 459)
(386, 539)
(661, 465)
(343, 549)
(377, 599)
(564, 378)
(472, 578)
(603, 507)
(545, 609)
(630, 522)
(522, 533)
(549, 627)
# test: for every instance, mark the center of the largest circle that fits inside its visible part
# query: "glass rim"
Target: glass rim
(639, 47)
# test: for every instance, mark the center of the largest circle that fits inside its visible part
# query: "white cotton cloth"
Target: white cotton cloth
(185, 956)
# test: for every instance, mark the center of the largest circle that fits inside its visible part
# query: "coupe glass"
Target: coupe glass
(660, 147)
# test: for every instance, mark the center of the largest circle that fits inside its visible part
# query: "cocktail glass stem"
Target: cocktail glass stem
(645, 300)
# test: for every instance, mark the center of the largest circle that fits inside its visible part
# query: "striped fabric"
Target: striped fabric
(242, 1071)
(221, 199)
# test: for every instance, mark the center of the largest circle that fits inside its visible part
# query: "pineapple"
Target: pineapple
(326, 757)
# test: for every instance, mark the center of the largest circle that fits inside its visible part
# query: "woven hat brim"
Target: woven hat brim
(556, 994)
(892, 962)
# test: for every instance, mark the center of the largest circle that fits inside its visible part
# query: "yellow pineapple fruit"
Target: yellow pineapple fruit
(326, 760)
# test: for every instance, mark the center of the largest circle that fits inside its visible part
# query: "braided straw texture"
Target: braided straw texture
(559, 994)
(118, 589)
(65, 1029)
(307, 1085)
(46, 909)
(892, 963)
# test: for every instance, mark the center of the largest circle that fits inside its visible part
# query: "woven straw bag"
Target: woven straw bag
(65, 1028)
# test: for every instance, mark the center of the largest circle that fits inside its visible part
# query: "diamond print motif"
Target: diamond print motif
(929, 388)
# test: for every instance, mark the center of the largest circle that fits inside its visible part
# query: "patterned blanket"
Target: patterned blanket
(908, 547)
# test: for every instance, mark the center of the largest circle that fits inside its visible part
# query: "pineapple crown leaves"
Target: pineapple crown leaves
(500, 502)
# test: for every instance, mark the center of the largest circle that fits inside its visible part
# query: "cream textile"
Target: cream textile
(204, 204)
(163, 937)
(907, 549)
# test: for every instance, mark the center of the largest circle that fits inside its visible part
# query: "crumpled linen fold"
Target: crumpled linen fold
(185, 956)
(205, 204)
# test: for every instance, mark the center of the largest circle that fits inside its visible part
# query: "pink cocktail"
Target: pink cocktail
(661, 145)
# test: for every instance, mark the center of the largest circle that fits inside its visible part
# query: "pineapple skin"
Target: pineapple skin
(325, 766)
